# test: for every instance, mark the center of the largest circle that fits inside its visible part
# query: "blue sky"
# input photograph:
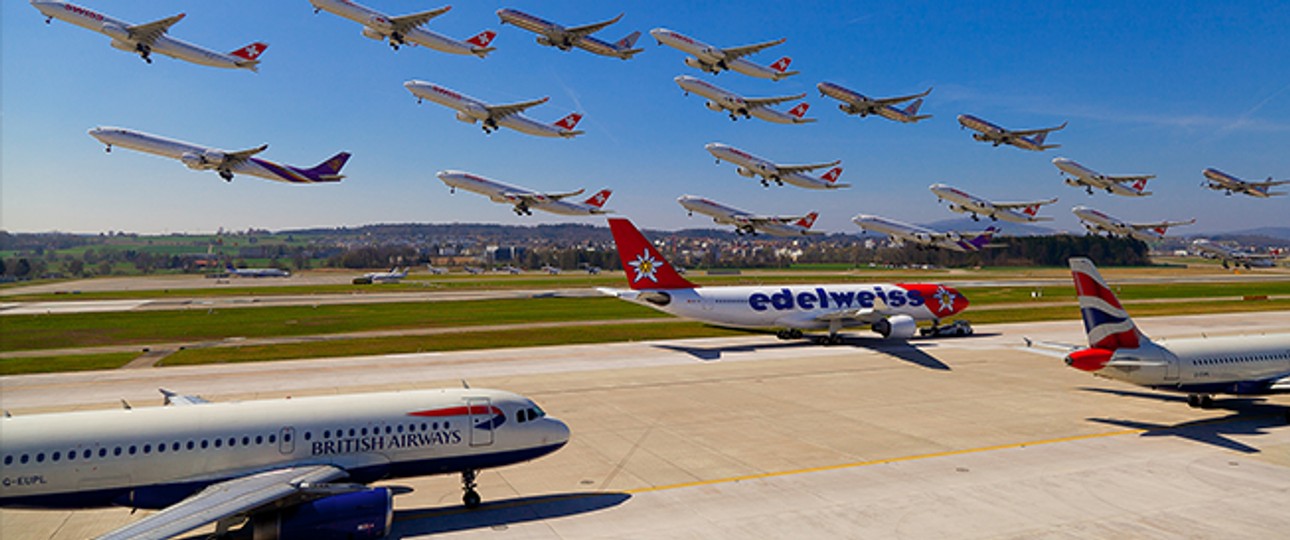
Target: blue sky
(1167, 88)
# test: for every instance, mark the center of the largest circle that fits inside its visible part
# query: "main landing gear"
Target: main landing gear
(791, 333)
(489, 126)
(1200, 401)
(145, 52)
(226, 175)
(470, 497)
(522, 210)
(108, 149)
(396, 39)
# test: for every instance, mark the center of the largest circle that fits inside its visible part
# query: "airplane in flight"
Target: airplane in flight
(1220, 181)
(715, 60)
(407, 29)
(750, 166)
(298, 467)
(966, 203)
(893, 310)
(493, 117)
(393, 275)
(856, 103)
(921, 236)
(226, 163)
(1096, 222)
(553, 35)
(720, 99)
(1235, 257)
(1027, 139)
(256, 272)
(1128, 185)
(148, 38)
(749, 223)
(524, 200)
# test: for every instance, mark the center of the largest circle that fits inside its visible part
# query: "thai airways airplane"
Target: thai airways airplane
(553, 35)
(492, 117)
(205, 158)
(406, 29)
(1220, 181)
(149, 38)
(1236, 257)
(525, 200)
(1098, 222)
(256, 272)
(747, 222)
(1128, 185)
(720, 99)
(922, 236)
(295, 467)
(856, 103)
(1028, 139)
(715, 60)
(966, 203)
(750, 166)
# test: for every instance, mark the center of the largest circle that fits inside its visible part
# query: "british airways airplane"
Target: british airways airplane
(204, 158)
(1026, 139)
(407, 29)
(856, 103)
(493, 117)
(525, 200)
(554, 35)
(715, 60)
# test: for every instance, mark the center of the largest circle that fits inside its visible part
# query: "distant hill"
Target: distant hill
(1279, 233)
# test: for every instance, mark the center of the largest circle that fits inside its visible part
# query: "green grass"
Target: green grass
(1136, 309)
(56, 364)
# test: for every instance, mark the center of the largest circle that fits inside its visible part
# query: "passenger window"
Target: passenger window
(364, 432)
(175, 447)
(55, 456)
(23, 459)
(327, 434)
(102, 453)
(161, 448)
(8, 460)
(87, 454)
(205, 443)
(116, 451)
(71, 455)
(40, 458)
(259, 439)
(273, 439)
(351, 432)
(246, 441)
(219, 442)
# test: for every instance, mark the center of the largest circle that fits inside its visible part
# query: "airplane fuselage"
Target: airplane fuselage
(377, 25)
(856, 103)
(722, 99)
(501, 192)
(750, 166)
(1081, 176)
(1098, 221)
(991, 133)
(204, 157)
(711, 59)
(1220, 181)
(906, 232)
(552, 34)
(966, 203)
(1242, 365)
(471, 110)
(743, 221)
(258, 272)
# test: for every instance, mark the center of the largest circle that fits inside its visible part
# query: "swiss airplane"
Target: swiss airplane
(922, 236)
(720, 99)
(1128, 185)
(715, 60)
(749, 166)
(1220, 181)
(298, 467)
(493, 117)
(890, 309)
(256, 272)
(553, 35)
(749, 223)
(407, 29)
(226, 163)
(856, 103)
(1234, 257)
(523, 200)
(145, 39)
(966, 203)
(1026, 139)
(1099, 222)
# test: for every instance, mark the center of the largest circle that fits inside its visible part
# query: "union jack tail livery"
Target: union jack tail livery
(569, 122)
(645, 267)
(483, 39)
(781, 65)
(800, 110)
(832, 175)
(250, 52)
(598, 200)
(1105, 321)
(808, 221)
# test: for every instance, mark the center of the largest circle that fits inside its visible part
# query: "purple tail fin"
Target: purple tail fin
(984, 238)
(328, 170)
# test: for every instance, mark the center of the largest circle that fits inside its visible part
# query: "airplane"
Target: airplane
(921, 236)
(891, 310)
(407, 29)
(492, 117)
(750, 166)
(256, 272)
(1234, 257)
(553, 270)
(966, 203)
(394, 275)
(1220, 181)
(856, 103)
(149, 38)
(436, 270)
(1113, 184)
(524, 200)
(473, 270)
(204, 158)
(509, 269)
(748, 223)
(1098, 222)
(297, 467)
(1028, 139)
(715, 60)
(553, 35)
(720, 99)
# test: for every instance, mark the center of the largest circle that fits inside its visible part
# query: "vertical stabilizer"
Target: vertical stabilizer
(1105, 321)
(645, 266)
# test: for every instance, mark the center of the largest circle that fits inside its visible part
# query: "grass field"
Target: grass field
(54, 364)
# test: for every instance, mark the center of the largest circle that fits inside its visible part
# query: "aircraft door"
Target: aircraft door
(479, 413)
(287, 440)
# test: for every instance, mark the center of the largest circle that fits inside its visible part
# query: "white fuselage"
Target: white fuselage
(386, 277)
(501, 192)
(1097, 221)
(991, 133)
(906, 232)
(1220, 181)
(202, 158)
(966, 203)
(750, 165)
(1219, 365)
(1228, 255)
(744, 222)
(377, 25)
(472, 110)
(1082, 176)
(554, 35)
(711, 59)
(856, 103)
(258, 272)
(736, 105)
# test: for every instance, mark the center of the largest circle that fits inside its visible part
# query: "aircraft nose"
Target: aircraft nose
(557, 432)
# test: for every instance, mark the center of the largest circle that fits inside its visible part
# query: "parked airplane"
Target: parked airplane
(1090, 179)
(525, 200)
(204, 158)
(1098, 222)
(720, 99)
(1220, 181)
(491, 117)
(1028, 139)
(749, 166)
(749, 223)
(149, 38)
(1235, 257)
(966, 203)
(921, 236)
(714, 60)
(553, 270)
(436, 270)
(406, 29)
(256, 272)
(856, 103)
(553, 35)
(277, 463)
(394, 275)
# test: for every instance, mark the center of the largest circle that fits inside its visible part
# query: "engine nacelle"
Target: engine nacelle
(545, 41)
(697, 64)
(379, 23)
(713, 106)
(896, 327)
(214, 157)
(923, 237)
(372, 33)
(362, 514)
(127, 47)
(117, 32)
(745, 172)
(465, 117)
(194, 161)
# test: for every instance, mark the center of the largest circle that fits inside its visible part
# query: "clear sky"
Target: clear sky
(1167, 88)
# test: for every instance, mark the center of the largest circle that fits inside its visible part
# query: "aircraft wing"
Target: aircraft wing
(789, 169)
(1029, 132)
(736, 52)
(149, 32)
(531, 198)
(1269, 183)
(407, 22)
(1019, 205)
(173, 398)
(1130, 178)
(565, 195)
(502, 111)
(1281, 385)
(243, 155)
(901, 99)
(766, 102)
(580, 31)
(767, 220)
(1160, 224)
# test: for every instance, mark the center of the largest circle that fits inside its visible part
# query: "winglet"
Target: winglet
(645, 266)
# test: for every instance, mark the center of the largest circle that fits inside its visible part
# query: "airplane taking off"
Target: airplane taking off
(256, 272)
(524, 200)
(714, 60)
(295, 467)
(749, 223)
(856, 103)
(720, 99)
(1220, 181)
(204, 158)
(394, 275)
(966, 203)
(1090, 179)
(406, 29)
(492, 117)
(750, 166)
(1233, 257)
(1028, 139)
(149, 38)
(1098, 222)
(553, 35)
(921, 236)
(892, 310)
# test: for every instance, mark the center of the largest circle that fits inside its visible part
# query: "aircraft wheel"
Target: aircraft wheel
(108, 149)
(795, 334)
(471, 499)
(782, 334)
(227, 176)
(1207, 402)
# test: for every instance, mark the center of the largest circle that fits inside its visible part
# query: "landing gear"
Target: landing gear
(522, 210)
(975, 218)
(1200, 401)
(1088, 189)
(791, 333)
(108, 149)
(226, 175)
(48, 19)
(489, 125)
(831, 339)
(145, 52)
(396, 39)
(470, 497)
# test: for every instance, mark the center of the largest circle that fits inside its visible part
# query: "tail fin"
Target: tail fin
(250, 52)
(569, 122)
(984, 238)
(1105, 321)
(645, 267)
(329, 170)
(483, 39)
(1031, 210)
(912, 109)
(808, 221)
(833, 175)
(1039, 138)
(628, 42)
(782, 64)
(800, 110)
(1140, 184)
(598, 200)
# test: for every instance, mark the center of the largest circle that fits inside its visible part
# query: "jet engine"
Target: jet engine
(698, 64)
(746, 173)
(896, 327)
(194, 161)
(372, 33)
(465, 117)
(118, 44)
(713, 106)
(923, 237)
(545, 41)
(361, 514)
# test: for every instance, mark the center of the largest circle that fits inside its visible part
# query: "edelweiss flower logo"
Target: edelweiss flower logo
(645, 267)
(946, 300)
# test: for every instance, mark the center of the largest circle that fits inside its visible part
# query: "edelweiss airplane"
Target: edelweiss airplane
(294, 467)
(553, 35)
(1098, 222)
(749, 223)
(714, 60)
(149, 38)
(720, 99)
(1232, 257)
(204, 158)
(892, 310)
(856, 103)
(1029, 139)
(750, 166)
(1090, 179)
(966, 203)
(1220, 181)
(524, 200)
(406, 29)
(922, 236)
(256, 272)
(491, 117)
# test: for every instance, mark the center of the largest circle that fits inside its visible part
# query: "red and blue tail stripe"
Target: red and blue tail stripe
(1106, 322)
